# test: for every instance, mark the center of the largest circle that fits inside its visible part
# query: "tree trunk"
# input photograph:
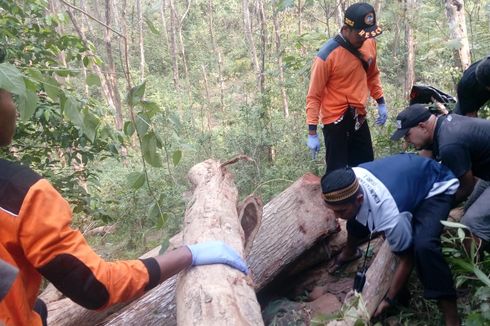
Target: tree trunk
(339, 13)
(300, 17)
(410, 6)
(280, 68)
(141, 38)
(457, 32)
(292, 222)
(111, 75)
(214, 294)
(173, 45)
(247, 24)
(217, 54)
(100, 74)
(263, 43)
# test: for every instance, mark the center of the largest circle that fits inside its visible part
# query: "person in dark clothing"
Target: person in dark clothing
(405, 197)
(474, 88)
(462, 144)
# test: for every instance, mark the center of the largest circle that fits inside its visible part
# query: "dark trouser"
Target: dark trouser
(345, 145)
(432, 269)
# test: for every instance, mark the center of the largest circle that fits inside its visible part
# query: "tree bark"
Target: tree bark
(217, 54)
(247, 25)
(214, 294)
(173, 45)
(292, 222)
(141, 39)
(111, 75)
(280, 68)
(410, 6)
(457, 31)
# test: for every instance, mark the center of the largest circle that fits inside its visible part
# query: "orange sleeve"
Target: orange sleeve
(62, 255)
(316, 90)
(373, 75)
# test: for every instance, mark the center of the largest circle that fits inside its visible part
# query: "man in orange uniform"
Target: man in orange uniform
(344, 73)
(36, 240)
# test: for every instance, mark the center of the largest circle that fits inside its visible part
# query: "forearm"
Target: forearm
(172, 262)
(402, 273)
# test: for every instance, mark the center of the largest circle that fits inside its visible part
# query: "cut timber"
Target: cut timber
(215, 294)
(378, 281)
(292, 223)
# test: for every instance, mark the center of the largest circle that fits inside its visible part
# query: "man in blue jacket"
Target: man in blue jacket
(404, 197)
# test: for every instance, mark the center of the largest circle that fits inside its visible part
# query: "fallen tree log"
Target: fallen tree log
(215, 294)
(292, 222)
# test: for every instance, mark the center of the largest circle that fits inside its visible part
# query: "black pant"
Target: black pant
(432, 269)
(42, 310)
(345, 145)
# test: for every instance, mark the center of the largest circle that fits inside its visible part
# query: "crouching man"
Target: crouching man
(404, 197)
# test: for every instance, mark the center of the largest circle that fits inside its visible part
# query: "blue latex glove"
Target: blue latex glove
(216, 252)
(382, 114)
(313, 144)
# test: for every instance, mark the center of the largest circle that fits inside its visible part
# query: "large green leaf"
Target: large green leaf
(142, 124)
(136, 94)
(128, 128)
(27, 105)
(93, 80)
(11, 79)
(149, 143)
(90, 124)
(71, 108)
(136, 180)
(52, 88)
(176, 157)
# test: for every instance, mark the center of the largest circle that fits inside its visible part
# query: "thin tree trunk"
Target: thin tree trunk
(300, 17)
(98, 71)
(263, 43)
(139, 11)
(457, 32)
(250, 42)
(111, 74)
(339, 13)
(217, 53)
(284, 96)
(410, 6)
(163, 20)
(173, 45)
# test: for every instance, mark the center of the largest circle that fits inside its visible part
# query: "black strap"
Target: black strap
(346, 45)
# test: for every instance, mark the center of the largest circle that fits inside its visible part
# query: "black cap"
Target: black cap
(483, 72)
(361, 17)
(409, 118)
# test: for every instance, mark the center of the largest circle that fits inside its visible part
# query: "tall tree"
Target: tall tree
(410, 6)
(139, 11)
(173, 45)
(457, 32)
(111, 69)
(247, 25)
(277, 33)
(217, 54)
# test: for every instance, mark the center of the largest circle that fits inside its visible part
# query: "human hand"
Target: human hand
(313, 144)
(216, 252)
(383, 305)
(382, 114)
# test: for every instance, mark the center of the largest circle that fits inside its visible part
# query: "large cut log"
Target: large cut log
(215, 294)
(292, 222)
